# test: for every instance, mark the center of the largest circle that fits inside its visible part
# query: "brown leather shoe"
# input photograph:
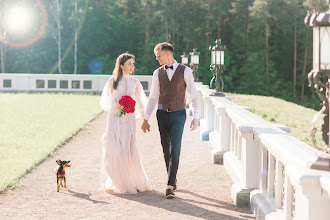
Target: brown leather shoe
(169, 193)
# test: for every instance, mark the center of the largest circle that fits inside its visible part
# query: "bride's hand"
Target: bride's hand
(119, 107)
(145, 126)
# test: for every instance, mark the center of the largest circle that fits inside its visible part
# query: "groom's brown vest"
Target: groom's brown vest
(172, 95)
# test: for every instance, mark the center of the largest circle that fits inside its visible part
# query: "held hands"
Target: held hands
(145, 126)
(194, 124)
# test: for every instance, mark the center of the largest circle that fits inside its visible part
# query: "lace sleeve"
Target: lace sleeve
(106, 97)
(141, 100)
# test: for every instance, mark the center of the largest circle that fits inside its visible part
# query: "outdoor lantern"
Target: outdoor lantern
(217, 66)
(194, 62)
(194, 57)
(321, 40)
(184, 59)
(218, 53)
(320, 74)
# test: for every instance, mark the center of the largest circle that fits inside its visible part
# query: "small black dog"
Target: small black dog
(60, 172)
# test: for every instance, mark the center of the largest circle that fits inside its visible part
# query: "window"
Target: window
(7, 83)
(75, 84)
(52, 84)
(40, 83)
(145, 85)
(87, 84)
(64, 84)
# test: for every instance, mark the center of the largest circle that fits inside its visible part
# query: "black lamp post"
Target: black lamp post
(217, 66)
(184, 59)
(194, 62)
(320, 73)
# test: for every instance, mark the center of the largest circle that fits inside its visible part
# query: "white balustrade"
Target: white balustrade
(269, 167)
(60, 82)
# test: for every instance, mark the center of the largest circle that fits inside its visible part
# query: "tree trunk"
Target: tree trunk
(172, 23)
(267, 45)
(304, 70)
(147, 23)
(166, 19)
(58, 4)
(2, 59)
(207, 31)
(75, 41)
(295, 55)
(247, 36)
(219, 28)
(186, 32)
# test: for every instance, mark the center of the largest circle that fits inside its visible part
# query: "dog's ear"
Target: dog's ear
(58, 161)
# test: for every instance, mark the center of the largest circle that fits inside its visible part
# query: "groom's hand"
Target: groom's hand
(145, 126)
(194, 124)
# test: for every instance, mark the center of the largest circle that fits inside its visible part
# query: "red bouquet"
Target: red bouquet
(127, 105)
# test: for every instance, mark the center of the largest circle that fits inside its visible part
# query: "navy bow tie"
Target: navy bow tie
(166, 67)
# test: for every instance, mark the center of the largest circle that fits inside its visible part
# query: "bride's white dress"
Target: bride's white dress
(121, 169)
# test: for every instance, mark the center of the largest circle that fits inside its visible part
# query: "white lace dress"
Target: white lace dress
(121, 169)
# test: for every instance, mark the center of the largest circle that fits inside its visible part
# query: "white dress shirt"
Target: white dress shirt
(154, 91)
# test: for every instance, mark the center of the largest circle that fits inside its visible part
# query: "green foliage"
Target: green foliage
(259, 35)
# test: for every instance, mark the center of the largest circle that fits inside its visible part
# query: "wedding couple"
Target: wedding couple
(121, 169)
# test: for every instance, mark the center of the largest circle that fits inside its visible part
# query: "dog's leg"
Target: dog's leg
(58, 185)
(64, 182)
(61, 181)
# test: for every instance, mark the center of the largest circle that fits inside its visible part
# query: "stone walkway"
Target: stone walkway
(203, 188)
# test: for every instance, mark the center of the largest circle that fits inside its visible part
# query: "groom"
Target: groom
(168, 89)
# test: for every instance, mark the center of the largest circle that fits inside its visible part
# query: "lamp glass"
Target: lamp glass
(222, 57)
(212, 57)
(197, 59)
(217, 57)
(316, 45)
(185, 60)
(325, 47)
(193, 59)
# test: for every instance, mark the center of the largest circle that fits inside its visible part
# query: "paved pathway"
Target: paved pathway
(203, 188)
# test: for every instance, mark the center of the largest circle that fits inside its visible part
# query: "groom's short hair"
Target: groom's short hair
(165, 46)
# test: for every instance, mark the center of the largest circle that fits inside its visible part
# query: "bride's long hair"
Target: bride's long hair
(117, 73)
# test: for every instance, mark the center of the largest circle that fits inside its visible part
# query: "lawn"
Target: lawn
(275, 110)
(32, 126)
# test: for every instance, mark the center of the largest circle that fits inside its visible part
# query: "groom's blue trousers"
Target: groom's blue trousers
(171, 126)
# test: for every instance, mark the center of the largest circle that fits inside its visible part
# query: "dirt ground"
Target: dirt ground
(203, 188)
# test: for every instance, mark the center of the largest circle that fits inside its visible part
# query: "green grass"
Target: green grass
(32, 126)
(275, 110)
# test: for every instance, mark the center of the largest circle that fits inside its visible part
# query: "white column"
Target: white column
(207, 123)
(250, 157)
(220, 138)
(310, 200)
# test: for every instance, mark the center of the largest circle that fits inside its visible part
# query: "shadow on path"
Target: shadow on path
(183, 206)
(86, 197)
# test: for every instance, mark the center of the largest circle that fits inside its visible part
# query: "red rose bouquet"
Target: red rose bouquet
(127, 105)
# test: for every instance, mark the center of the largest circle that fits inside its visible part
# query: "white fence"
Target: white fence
(269, 167)
(60, 82)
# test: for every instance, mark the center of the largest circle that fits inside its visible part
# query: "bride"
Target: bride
(121, 169)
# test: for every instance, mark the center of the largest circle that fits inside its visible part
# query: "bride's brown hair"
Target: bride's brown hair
(117, 73)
